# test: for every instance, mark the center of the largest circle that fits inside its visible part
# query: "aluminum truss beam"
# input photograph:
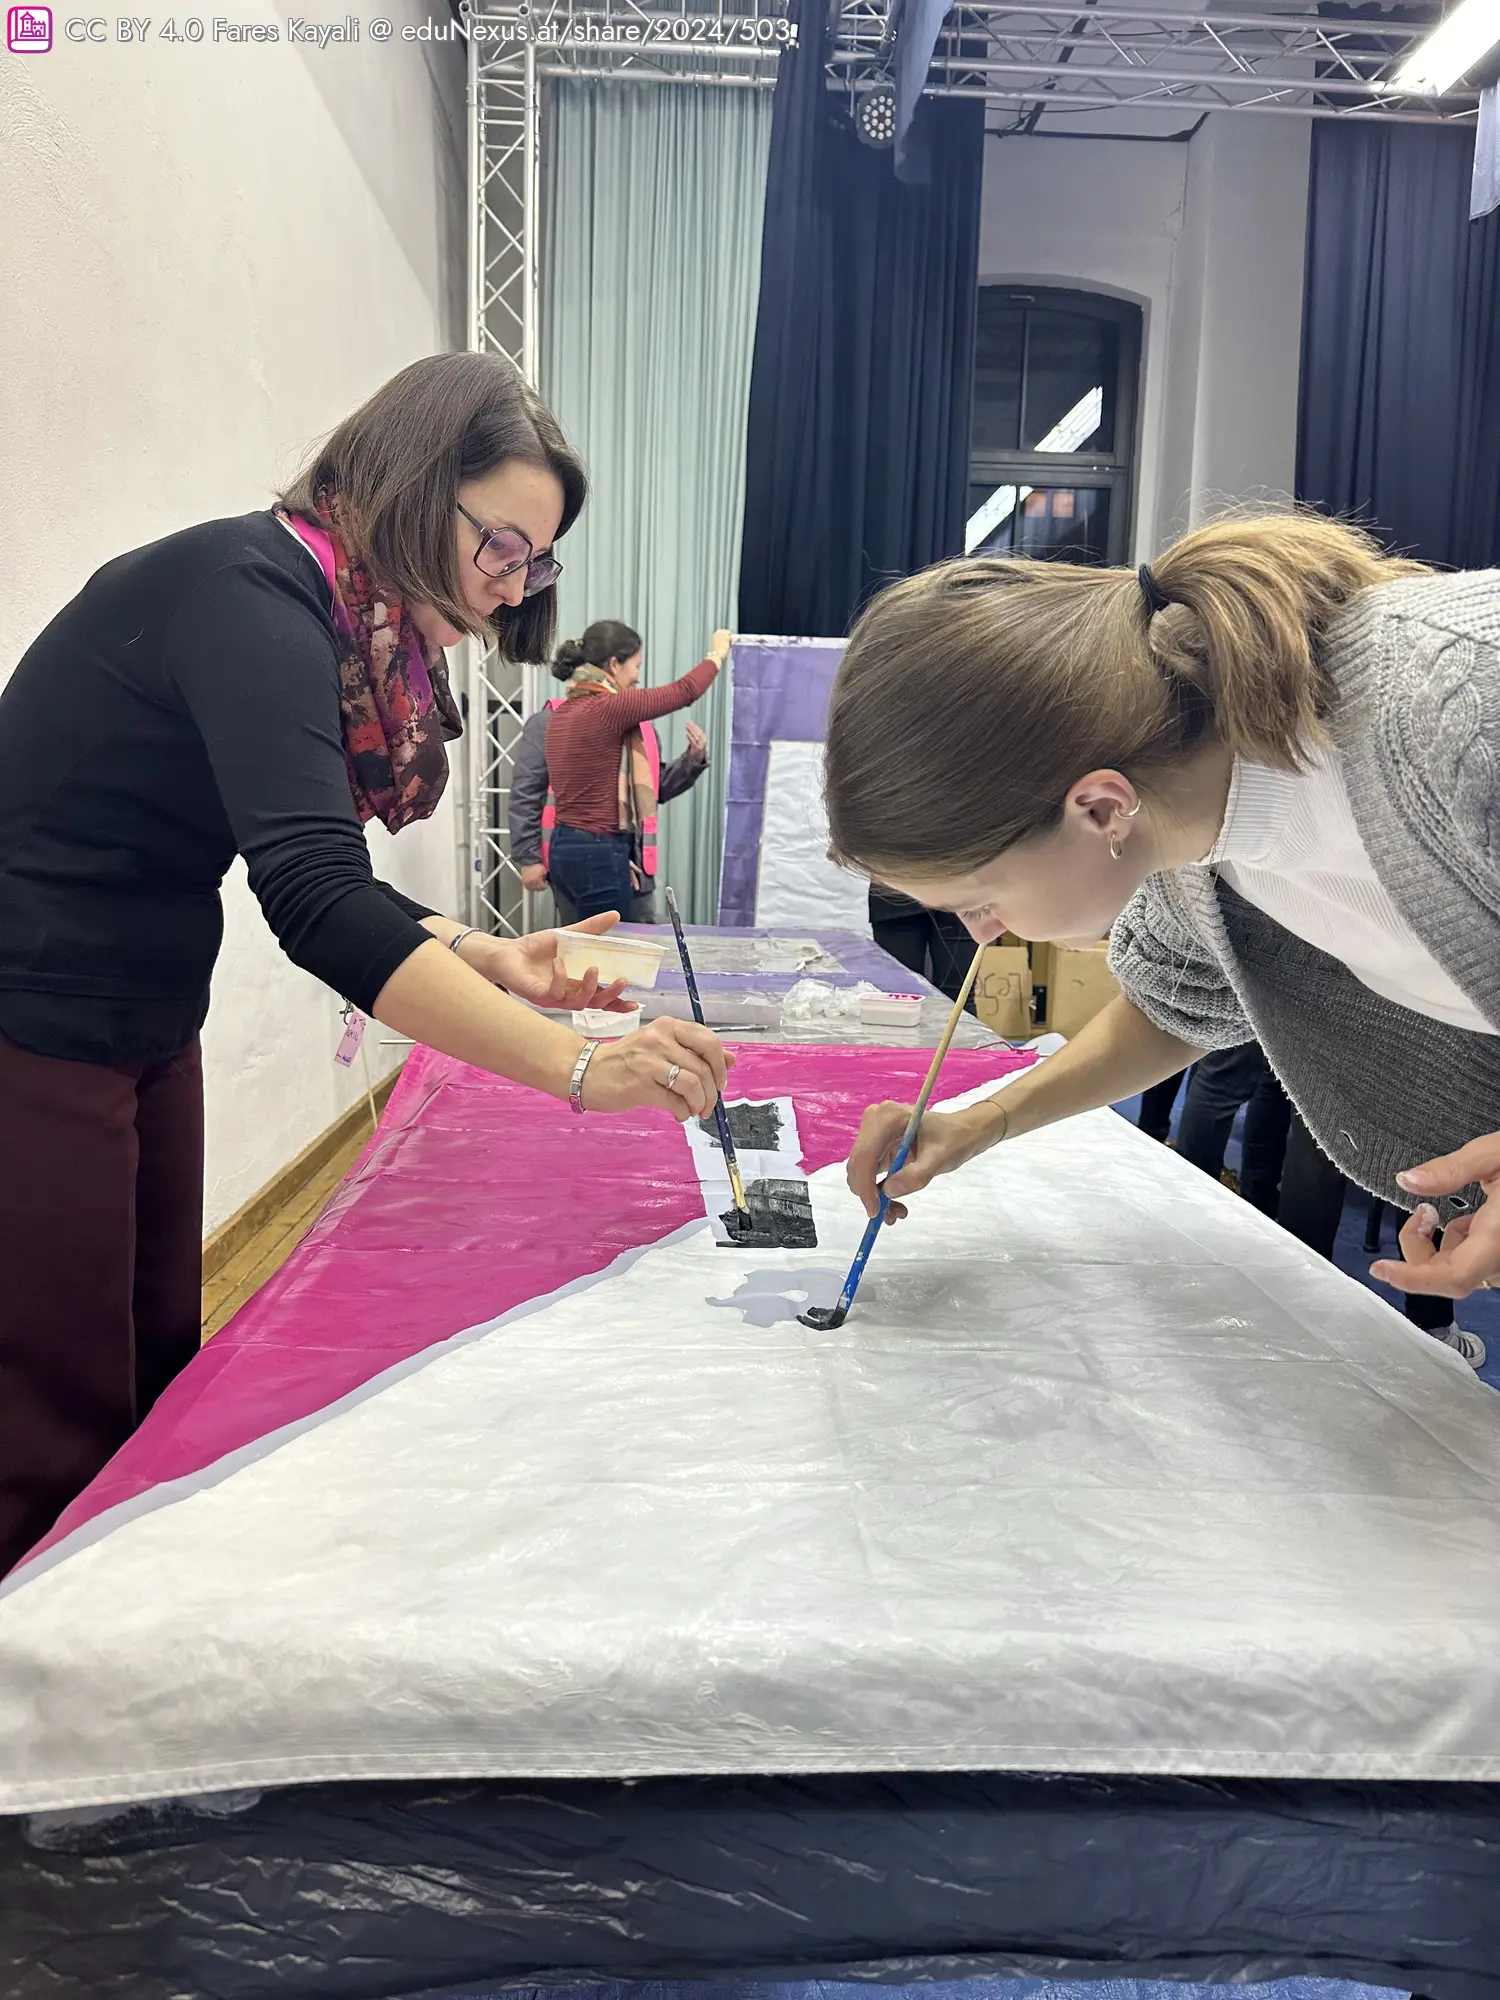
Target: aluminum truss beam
(504, 215)
(1016, 54)
(512, 47)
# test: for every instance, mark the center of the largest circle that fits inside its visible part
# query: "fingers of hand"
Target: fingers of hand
(597, 926)
(693, 1082)
(913, 1177)
(1469, 1256)
(1417, 1233)
(706, 1046)
(1478, 1161)
(875, 1147)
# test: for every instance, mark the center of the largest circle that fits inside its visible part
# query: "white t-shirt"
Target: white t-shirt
(1290, 846)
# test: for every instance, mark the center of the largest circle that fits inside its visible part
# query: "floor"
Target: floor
(263, 1256)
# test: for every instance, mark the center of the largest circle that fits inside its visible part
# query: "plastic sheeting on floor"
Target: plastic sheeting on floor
(429, 1892)
(1104, 1474)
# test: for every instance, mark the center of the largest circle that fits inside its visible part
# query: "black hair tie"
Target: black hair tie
(1156, 598)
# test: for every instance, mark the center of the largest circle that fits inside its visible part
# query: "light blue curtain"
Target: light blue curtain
(649, 279)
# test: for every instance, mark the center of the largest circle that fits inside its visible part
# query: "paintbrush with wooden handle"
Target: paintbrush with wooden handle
(721, 1116)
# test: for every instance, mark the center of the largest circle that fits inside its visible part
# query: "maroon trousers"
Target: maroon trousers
(101, 1209)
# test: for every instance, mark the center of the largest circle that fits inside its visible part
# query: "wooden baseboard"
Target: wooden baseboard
(232, 1236)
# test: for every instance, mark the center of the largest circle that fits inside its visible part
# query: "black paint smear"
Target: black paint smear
(781, 1218)
(754, 1127)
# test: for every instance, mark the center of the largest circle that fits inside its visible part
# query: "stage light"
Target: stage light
(875, 116)
(1455, 45)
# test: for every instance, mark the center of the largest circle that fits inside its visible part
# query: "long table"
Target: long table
(515, 1593)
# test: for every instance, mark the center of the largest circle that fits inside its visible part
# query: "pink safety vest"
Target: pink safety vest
(652, 749)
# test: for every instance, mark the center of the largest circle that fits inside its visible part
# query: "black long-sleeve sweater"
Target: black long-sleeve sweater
(184, 708)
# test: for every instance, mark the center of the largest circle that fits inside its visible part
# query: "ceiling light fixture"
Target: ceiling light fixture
(1455, 45)
(875, 116)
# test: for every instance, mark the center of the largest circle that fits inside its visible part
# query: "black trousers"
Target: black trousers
(1155, 1119)
(931, 943)
(1312, 1206)
(1220, 1083)
(101, 1187)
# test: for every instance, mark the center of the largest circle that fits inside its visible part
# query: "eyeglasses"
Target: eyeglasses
(502, 551)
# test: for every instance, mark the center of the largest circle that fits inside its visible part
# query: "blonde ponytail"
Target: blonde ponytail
(973, 695)
(1256, 595)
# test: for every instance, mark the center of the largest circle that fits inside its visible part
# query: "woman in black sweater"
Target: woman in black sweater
(257, 686)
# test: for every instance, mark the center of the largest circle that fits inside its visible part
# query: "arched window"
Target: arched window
(1051, 456)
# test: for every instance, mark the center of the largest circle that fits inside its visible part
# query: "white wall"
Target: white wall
(1236, 357)
(210, 254)
(1207, 237)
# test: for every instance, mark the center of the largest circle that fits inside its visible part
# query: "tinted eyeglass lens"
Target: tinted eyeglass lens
(501, 551)
(541, 574)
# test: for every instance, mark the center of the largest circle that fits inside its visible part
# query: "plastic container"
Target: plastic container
(605, 1024)
(890, 1010)
(636, 960)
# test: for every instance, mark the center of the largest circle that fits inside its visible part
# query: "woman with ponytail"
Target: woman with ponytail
(1271, 762)
(601, 769)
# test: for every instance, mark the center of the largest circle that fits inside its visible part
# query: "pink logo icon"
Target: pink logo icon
(28, 31)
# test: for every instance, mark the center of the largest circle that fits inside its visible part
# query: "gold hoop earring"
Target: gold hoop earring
(1133, 811)
(1115, 848)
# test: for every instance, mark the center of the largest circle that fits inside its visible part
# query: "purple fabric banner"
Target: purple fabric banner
(780, 691)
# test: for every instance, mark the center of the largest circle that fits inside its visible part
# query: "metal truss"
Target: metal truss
(1039, 56)
(504, 220)
(735, 42)
(513, 46)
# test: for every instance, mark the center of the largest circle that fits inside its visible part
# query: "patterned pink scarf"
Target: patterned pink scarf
(397, 708)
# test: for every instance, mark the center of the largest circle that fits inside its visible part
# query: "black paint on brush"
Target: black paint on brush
(823, 1317)
(781, 1218)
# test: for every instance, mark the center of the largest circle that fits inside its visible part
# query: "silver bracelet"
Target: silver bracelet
(469, 930)
(575, 1082)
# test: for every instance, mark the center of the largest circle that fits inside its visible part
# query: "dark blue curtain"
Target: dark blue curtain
(1399, 420)
(858, 443)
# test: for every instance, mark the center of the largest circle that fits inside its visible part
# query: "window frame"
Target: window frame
(1113, 471)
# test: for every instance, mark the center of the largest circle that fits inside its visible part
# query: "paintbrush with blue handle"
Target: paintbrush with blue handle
(824, 1317)
(721, 1116)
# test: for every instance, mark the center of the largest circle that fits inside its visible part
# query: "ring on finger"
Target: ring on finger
(672, 1075)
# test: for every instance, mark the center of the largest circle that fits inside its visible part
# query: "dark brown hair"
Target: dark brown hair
(973, 695)
(395, 467)
(605, 640)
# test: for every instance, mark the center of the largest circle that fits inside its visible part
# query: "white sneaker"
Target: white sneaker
(1469, 1345)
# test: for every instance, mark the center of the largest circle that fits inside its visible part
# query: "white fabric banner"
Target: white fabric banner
(1104, 1472)
(798, 885)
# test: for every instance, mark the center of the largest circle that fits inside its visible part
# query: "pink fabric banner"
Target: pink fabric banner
(473, 1197)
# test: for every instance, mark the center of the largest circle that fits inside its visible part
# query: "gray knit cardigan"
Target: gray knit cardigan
(1417, 733)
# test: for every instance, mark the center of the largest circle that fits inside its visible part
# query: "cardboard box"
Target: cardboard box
(1080, 984)
(1002, 991)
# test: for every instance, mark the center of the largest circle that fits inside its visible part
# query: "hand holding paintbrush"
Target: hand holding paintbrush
(824, 1317)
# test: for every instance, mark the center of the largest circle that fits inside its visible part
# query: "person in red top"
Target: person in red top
(597, 769)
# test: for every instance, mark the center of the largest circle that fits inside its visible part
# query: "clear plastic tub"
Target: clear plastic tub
(636, 960)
